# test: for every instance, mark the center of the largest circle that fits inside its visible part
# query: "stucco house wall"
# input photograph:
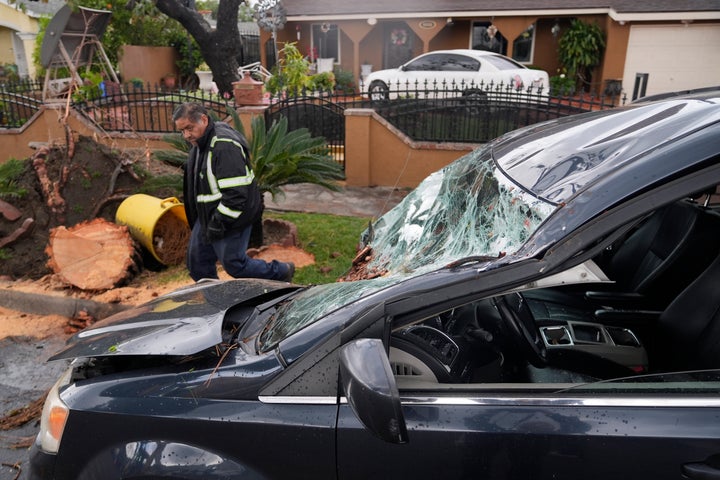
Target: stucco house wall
(19, 27)
(365, 30)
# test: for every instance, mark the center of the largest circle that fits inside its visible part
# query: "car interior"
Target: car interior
(660, 313)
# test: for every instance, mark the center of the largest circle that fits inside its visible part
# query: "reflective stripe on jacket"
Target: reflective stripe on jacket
(219, 181)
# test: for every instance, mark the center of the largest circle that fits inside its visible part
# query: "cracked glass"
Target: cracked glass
(469, 208)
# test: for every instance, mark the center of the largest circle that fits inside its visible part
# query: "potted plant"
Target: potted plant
(205, 78)
(290, 74)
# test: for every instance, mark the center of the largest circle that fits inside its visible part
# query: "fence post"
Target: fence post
(357, 147)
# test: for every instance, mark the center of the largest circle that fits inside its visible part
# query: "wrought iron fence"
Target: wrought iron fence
(473, 113)
(143, 108)
(322, 113)
(434, 113)
(19, 101)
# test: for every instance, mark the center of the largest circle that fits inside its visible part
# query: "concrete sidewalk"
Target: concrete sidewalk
(370, 202)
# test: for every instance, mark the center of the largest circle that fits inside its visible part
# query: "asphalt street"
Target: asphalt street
(25, 375)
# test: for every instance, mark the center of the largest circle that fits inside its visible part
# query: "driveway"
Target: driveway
(24, 376)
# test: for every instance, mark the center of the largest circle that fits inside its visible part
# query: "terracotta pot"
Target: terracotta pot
(248, 91)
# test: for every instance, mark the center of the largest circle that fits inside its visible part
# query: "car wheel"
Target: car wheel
(378, 90)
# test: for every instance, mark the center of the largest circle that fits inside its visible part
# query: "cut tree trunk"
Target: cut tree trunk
(94, 255)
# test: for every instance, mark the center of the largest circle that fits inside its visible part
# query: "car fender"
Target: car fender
(162, 458)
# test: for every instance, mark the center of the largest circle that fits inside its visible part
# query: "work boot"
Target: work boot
(290, 272)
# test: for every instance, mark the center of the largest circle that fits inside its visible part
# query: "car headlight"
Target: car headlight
(54, 416)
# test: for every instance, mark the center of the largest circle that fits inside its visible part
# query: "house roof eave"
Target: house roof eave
(664, 16)
(624, 16)
(452, 13)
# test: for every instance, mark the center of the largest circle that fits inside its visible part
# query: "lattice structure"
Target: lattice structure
(71, 42)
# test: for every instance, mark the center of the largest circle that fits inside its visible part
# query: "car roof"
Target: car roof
(559, 160)
(466, 51)
(589, 163)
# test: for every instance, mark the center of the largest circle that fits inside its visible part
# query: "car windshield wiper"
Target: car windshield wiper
(264, 317)
(473, 259)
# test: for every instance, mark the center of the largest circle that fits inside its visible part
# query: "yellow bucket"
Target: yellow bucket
(160, 225)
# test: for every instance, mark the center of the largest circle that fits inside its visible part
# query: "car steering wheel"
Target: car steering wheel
(517, 316)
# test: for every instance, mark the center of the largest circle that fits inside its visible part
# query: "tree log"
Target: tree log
(94, 255)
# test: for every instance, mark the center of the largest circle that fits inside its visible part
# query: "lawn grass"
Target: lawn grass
(332, 239)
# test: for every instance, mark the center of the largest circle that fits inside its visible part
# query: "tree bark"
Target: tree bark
(220, 47)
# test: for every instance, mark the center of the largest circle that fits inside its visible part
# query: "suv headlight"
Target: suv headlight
(54, 416)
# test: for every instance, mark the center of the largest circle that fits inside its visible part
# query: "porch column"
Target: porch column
(511, 28)
(356, 32)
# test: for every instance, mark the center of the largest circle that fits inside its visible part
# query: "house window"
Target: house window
(523, 45)
(326, 41)
(486, 36)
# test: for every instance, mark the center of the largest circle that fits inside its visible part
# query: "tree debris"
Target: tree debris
(50, 189)
(360, 270)
(20, 416)
(22, 231)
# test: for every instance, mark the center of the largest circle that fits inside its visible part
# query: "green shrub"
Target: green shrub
(10, 172)
(344, 81)
(324, 81)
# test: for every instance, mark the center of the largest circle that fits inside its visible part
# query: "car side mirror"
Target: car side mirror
(371, 390)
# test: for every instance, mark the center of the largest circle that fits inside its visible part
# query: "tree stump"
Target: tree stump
(93, 255)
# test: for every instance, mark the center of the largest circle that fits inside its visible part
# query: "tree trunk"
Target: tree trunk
(94, 255)
(220, 46)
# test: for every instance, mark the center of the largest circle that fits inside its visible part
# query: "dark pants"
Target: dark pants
(202, 257)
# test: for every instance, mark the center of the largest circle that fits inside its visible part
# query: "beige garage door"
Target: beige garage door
(674, 57)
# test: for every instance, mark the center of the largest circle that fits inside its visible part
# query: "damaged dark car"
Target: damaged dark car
(545, 307)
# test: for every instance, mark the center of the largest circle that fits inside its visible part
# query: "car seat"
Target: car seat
(651, 266)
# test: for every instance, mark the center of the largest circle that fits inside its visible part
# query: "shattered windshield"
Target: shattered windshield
(469, 208)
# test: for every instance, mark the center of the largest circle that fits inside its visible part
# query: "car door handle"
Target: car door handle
(700, 471)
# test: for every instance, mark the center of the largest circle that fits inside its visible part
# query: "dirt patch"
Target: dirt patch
(296, 255)
(89, 180)
(86, 180)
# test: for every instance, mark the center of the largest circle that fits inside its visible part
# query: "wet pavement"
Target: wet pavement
(25, 376)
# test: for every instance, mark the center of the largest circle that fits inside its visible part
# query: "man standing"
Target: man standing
(221, 199)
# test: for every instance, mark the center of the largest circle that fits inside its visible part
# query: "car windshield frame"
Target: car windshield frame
(463, 210)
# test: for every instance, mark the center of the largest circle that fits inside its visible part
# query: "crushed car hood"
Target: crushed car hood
(184, 322)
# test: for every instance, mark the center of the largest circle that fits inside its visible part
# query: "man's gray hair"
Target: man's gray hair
(190, 110)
